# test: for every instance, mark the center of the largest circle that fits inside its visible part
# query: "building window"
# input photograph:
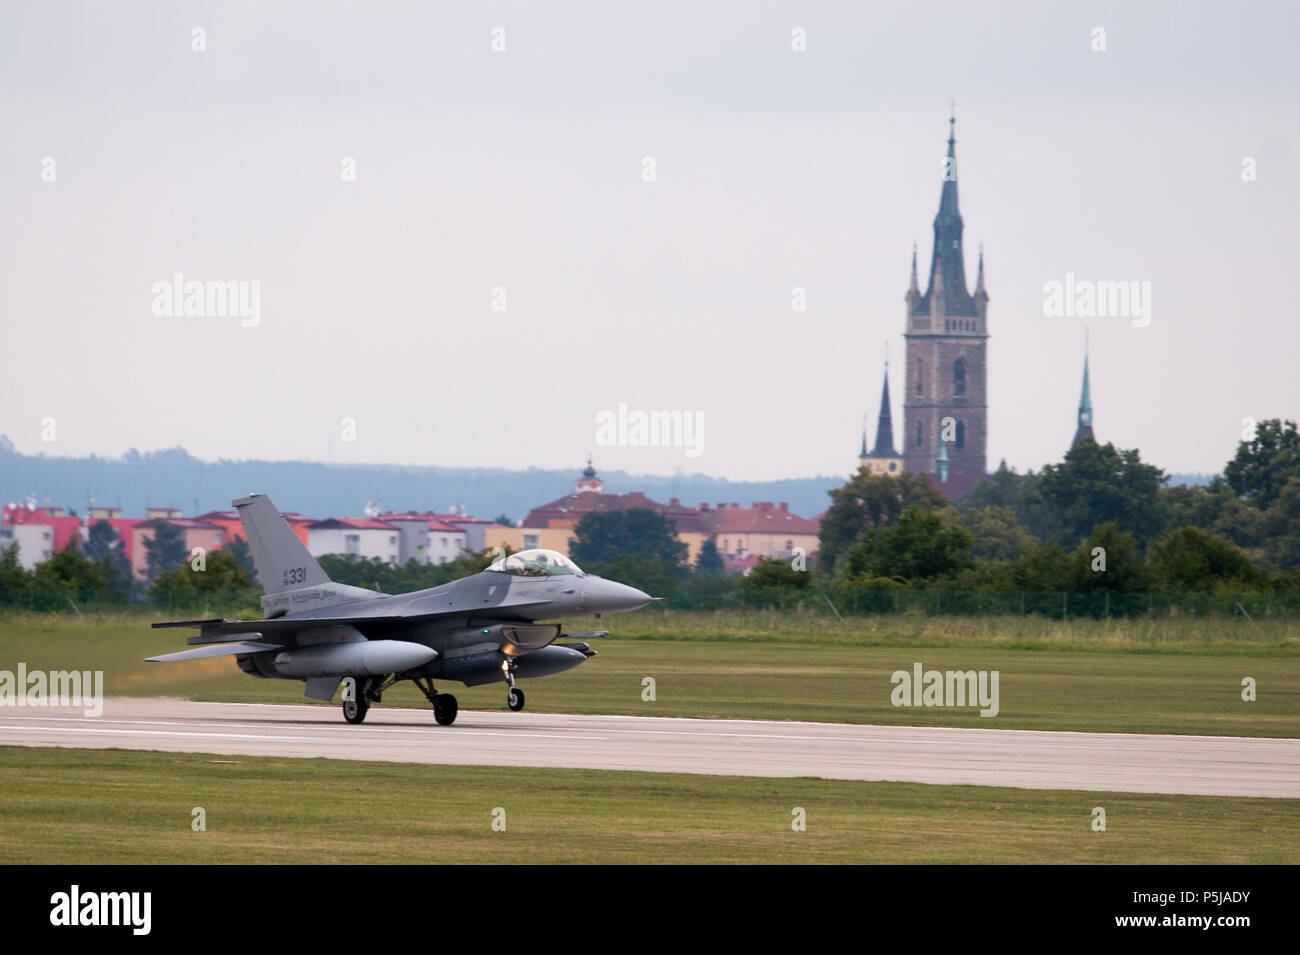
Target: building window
(530, 541)
(352, 543)
(959, 377)
(961, 434)
(893, 466)
(920, 378)
(918, 434)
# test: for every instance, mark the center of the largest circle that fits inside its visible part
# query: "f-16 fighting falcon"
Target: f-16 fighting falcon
(481, 629)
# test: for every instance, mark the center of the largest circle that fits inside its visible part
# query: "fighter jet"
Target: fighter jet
(477, 630)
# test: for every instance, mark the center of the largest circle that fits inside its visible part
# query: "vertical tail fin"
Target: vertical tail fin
(282, 560)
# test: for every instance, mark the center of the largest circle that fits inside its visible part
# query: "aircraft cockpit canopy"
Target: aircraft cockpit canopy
(535, 563)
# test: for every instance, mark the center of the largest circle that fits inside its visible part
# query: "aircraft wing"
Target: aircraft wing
(216, 629)
(214, 650)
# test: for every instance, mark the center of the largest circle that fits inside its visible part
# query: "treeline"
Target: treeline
(1102, 520)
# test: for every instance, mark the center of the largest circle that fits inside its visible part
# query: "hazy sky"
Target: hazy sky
(522, 170)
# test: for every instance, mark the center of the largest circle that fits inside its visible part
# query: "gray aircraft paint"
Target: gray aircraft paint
(464, 630)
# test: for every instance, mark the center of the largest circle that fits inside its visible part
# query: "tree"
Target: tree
(708, 561)
(165, 550)
(473, 562)
(12, 575)
(1280, 525)
(503, 520)
(1109, 559)
(1262, 465)
(1189, 560)
(769, 573)
(238, 549)
(221, 572)
(868, 503)
(357, 571)
(919, 547)
(659, 578)
(69, 571)
(601, 536)
(105, 547)
(1019, 492)
(1097, 484)
(997, 533)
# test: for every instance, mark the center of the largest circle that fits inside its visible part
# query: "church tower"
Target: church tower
(946, 376)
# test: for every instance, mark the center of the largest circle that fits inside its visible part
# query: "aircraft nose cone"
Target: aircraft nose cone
(606, 596)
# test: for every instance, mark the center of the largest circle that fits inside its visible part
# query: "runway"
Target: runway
(1202, 765)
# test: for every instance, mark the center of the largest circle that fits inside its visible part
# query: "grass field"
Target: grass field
(1121, 676)
(113, 806)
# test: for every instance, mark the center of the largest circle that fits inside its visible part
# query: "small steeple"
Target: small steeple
(979, 278)
(589, 481)
(884, 424)
(1084, 427)
(864, 437)
(915, 286)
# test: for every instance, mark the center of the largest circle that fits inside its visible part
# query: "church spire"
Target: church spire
(979, 278)
(915, 286)
(1084, 428)
(947, 267)
(864, 437)
(885, 423)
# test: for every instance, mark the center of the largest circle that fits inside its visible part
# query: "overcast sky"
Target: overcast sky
(523, 170)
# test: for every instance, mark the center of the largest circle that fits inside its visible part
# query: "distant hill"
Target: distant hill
(175, 478)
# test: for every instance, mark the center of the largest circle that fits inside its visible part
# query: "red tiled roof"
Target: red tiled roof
(445, 528)
(762, 517)
(578, 503)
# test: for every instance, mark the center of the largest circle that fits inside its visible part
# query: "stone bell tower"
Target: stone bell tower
(945, 399)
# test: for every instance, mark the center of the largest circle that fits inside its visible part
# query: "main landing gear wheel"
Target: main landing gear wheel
(355, 709)
(445, 708)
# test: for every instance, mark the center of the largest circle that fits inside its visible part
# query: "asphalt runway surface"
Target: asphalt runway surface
(1203, 765)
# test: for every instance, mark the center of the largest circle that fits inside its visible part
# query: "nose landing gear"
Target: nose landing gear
(514, 696)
